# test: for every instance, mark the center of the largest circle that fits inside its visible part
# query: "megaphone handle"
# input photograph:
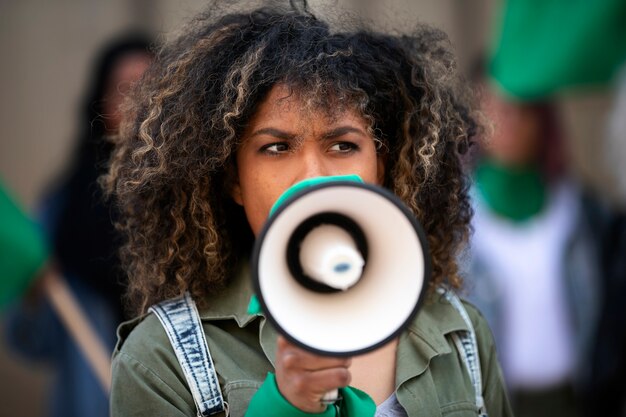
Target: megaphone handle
(330, 397)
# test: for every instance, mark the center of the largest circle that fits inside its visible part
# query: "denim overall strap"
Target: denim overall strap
(181, 321)
(466, 345)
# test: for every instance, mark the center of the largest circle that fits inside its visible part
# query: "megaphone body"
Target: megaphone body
(340, 267)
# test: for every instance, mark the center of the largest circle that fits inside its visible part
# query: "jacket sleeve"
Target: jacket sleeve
(494, 390)
(138, 391)
(146, 377)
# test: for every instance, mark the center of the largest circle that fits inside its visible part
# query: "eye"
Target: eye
(275, 148)
(344, 147)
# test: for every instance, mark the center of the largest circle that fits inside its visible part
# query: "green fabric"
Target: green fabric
(254, 306)
(430, 378)
(356, 403)
(310, 182)
(23, 250)
(516, 193)
(543, 46)
(269, 398)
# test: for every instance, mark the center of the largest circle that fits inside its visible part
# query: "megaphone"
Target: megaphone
(340, 267)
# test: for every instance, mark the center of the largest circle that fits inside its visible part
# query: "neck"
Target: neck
(375, 372)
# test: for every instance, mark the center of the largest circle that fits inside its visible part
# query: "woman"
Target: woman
(239, 108)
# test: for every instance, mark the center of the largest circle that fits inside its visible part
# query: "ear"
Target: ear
(233, 187)
(235, 193)
(380, 168)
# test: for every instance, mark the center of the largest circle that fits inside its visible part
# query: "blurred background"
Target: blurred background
(48, 51)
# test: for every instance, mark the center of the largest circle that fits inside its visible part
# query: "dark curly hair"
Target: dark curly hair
(171, 170)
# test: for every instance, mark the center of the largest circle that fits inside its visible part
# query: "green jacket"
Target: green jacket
(431, 379)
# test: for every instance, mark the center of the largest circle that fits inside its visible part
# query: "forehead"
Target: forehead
(131, 65)
(284, 102)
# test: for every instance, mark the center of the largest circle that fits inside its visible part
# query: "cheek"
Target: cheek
(258, 196)
(371, 167)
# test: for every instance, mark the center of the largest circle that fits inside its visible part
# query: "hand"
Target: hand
(303, 377)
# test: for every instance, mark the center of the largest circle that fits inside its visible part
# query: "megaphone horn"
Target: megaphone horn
(340, 267)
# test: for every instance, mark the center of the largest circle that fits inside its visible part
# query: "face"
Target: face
(285, 143)
(126, 71)
(516, 136)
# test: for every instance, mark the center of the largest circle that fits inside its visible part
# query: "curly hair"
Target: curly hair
(172, 168)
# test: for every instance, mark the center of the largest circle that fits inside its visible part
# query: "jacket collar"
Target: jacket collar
(232, 302)
(425, 337)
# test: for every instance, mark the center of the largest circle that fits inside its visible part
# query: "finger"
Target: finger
(320, 382)
(305, 390)
(294, 357)
(308, 363)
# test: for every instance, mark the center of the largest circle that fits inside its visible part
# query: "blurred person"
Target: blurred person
(607, 387)
(536, 257)
(534, 59)
(83, 241)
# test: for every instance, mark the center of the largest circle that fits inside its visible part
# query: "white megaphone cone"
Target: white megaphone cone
(340, 266)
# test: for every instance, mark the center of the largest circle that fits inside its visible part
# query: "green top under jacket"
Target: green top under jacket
(431, 379)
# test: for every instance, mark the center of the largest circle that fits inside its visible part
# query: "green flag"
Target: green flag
(23, 250)
(544, 46)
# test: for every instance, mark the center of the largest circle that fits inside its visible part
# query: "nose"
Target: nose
(312, 164)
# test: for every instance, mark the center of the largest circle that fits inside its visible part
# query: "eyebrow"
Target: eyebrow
(281, 134)
(343, 130)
